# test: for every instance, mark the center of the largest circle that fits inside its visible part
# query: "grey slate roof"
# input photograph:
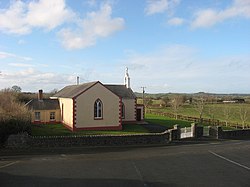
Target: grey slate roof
(121, 90)
(73, 90)
(45, 104)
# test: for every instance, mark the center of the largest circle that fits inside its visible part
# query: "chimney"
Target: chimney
(40, 95)
(78, 79)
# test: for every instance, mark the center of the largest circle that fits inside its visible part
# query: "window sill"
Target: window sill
(98, 118)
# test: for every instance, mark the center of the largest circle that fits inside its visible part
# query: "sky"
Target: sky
(184, 46)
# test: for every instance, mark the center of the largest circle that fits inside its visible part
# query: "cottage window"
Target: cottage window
(52, 116)
(123, 110)
(98, 109)
(37, 116)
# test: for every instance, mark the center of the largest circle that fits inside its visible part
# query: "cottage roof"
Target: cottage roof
(44, 104)
(121, 90)
(73, 90)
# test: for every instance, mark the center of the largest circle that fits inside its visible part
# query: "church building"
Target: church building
(89, 106)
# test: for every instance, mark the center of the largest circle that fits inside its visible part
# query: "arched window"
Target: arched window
(98, 109)
(123, 110)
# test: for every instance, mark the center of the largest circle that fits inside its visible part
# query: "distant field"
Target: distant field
(213, 109)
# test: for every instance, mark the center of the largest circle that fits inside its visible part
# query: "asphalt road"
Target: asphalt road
(210, 164)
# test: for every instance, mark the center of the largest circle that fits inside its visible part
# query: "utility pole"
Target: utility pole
(143, 91)
(77, 80)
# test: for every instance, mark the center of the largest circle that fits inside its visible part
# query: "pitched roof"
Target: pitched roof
(73, 90)
(45, 104)
(121, 90)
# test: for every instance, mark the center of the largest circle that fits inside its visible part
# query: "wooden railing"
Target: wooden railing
(207, 121)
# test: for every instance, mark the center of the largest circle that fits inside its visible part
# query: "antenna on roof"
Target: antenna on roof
(77, 80)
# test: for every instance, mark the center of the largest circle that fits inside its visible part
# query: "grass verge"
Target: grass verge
(60, 130)
(166, 121)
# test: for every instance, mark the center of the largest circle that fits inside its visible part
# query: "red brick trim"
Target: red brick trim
(135, 110)
(122, 107)
(120, 112)
(68, 127)
(74, 113)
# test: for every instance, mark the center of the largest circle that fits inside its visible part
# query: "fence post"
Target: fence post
(178, 129)
(219, 132)
(193, 130)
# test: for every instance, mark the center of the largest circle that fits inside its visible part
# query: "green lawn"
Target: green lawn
(170, 122)
(60, 130)
(166, 121)
(213, 109)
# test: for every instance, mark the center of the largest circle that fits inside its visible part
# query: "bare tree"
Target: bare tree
(176, 104)
(11, 108)
(227, 113)
(199, 106)
(147, 103)
(211, 112)
(243, 115)
(16, 89)
(165, 100)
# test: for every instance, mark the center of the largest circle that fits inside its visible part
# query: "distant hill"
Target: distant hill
(159, 95)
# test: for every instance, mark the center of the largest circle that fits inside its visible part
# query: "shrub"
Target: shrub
(14, 116)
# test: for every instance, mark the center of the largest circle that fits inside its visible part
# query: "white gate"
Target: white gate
(205, 131)
(186, 132)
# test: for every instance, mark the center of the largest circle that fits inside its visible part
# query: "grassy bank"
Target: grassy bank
(60, 130)
(166, 121)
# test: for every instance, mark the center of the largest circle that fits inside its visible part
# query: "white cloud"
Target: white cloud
(4, 55)
(48, 14)
(20, 18)
(20, 65)
(31, 79)
(209, 17)
(12, 20)
(96, 25)
(176, 21)
(160, 6)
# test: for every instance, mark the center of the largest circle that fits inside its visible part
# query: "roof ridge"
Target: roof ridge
(73, 90)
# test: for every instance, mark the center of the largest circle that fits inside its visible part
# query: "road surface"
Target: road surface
(224, 163)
